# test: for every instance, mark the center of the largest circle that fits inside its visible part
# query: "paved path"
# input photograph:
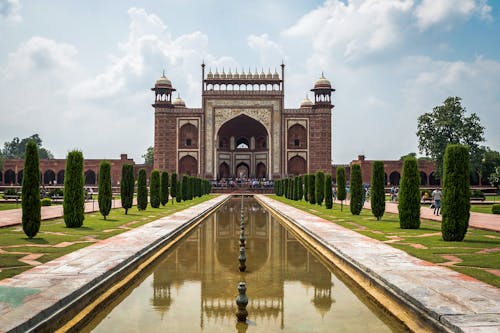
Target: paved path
(482, 221)
(34, 295)
(457, 301)
(12, 217)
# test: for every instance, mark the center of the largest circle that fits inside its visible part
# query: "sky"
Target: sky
(79, 73)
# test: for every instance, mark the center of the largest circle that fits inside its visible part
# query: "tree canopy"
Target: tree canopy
(447, 124)
(149, 157)
(17, 148)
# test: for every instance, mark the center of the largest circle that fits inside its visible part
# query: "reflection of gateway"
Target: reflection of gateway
(208, 256)
(242, 129)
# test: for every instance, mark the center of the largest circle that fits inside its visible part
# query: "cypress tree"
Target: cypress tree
(31, 191)
(142, 190)
(356, 190)
(341, 190)
(154, 188)
(377, 199)
(300, 188)
(277, 187)
(74, 196)
(285, 187)
(320, 187)
(127, 187)
(328, 191)
(105, 193)
(185, 188)
(306, 187)
(164, 188)
(174, 188)
(456, 193)
(409, 195)
(291, 184)
(178, 198)
(312, 191)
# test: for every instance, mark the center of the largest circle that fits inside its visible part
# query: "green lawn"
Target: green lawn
(16, 245)
(6, 206)
(481, 209)
(478, 252)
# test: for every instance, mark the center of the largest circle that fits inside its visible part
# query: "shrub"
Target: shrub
(312, 192)
(56, 192)
(185, 188)
(277, 187)
(46, 202)
(127, 186)
(164, 188)
(328, 192)
(293, 189)
(409, 195)
(105, 193)
(154, 188)
(10, 191)
(174, 188)
(320, 187)
(377, 199)
(306, 187)
(31, 205)
(74, 196)
(142, 190)
(495, 209)
(456, 192)
(356, 202)
(178, 198)
(478, 194)
(341, 192)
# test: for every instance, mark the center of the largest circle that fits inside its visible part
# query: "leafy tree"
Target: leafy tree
(174, 188)
(341, 188)
(356, 203)
(408, 155)
(312, 189)
(306, 186)
(179, 196)
(378, 191)
(31, 192)
(494, 178)
(154, 188)
(328, 191)
(489, 161)
(149, 157)
(74, 197)
(409, 195)
(105, 192)
(456, 193)
(164, 188)
(300, 188)
(127, 186)
(320, 187)
(142, 190)
(185, 188)
(447, 124)
(17, 147)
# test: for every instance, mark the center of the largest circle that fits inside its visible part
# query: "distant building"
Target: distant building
(243, 128)
(52, 170)
(392, 170)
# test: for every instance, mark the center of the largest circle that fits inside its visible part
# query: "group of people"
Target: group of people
(243, 182)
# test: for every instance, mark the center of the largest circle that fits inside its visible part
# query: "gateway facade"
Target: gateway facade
(242, 129)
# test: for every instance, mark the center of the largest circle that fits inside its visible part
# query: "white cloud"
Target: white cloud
(9, 10)
(432, 12)
(269, 51)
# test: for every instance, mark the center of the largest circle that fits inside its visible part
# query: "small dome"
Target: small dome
(236, 75)
(322, 82)
(306, 103)
(179, 102)
(223, 74)
(276, 75)
(229, 75)
(262, 74)
(210, 74)
(269, 75)
(256, 74)
(243, 75)
(163, 81)
(216, 75)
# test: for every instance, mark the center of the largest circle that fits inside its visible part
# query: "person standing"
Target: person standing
(436, 196)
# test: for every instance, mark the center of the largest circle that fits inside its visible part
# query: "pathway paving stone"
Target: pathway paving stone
(458, 301)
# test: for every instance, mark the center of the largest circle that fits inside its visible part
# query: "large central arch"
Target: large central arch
(243, 141)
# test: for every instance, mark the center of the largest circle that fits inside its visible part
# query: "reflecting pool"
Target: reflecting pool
(194, 287)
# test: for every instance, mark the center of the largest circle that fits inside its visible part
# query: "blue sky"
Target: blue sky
(79, 72)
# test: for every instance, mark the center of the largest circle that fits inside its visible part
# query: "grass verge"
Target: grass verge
(55, 240)
(475, 256)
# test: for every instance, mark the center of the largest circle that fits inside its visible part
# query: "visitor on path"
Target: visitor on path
(436, 196)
